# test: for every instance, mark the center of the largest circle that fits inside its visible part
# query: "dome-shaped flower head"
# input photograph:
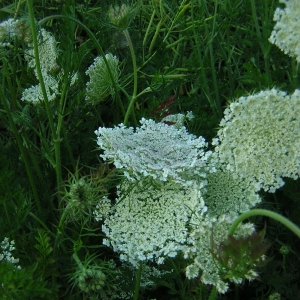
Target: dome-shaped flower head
(157, 150)
(150, 223)
(100, 85)
(259, 138)
(285, 34)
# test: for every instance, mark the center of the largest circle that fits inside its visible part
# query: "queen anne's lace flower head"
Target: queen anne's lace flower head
(178, 120)
(162, 152)
(200, 241)
(151, 223)
(6, 247)
(259, 138)
(34, 93)
(48, 54)
(100, 85)
(8, 31)
(285, 33)
(225, 194)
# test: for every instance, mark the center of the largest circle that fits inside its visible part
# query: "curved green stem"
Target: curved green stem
(98, 47)
(264, 212)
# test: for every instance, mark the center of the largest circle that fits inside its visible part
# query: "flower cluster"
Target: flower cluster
(100, 85)
(120, 16)
(288, 23)
(82, 199)
(6, 248)
(8, 31)
(48, 53)
(200, 251)
(103, 209)
(260, 151)
(150, 223)
(156, 150)
(225, 194)
(178, 119)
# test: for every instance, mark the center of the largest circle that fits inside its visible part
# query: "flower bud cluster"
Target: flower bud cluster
(100, 85)
(82, 199)
(120, 16)
(259, 138)
(91, 279)
(6, 248)
(287, 24)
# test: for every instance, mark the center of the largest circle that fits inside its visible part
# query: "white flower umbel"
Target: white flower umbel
(200, 239)
(178, 119)
(151, 223)
(34, 93)
(8, 31)
(100, 85)
(259, 138)
(103, 209)
(6, 248)
(158, 150)
(285, 34)
(48, 54)
(225, 194)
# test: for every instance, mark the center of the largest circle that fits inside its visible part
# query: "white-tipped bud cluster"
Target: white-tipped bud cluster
(120, 16)
(259, 138)
(285, 34)
(100, 85)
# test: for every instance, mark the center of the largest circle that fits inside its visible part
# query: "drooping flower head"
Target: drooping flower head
(259, 138)
(285, 34)
(100, 85)
(157, 150)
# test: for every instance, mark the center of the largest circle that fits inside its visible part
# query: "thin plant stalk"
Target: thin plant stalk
(138, 282)
(264, 212)
(22, 150)
(213, 293)
(135, 79)
(55, 137)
